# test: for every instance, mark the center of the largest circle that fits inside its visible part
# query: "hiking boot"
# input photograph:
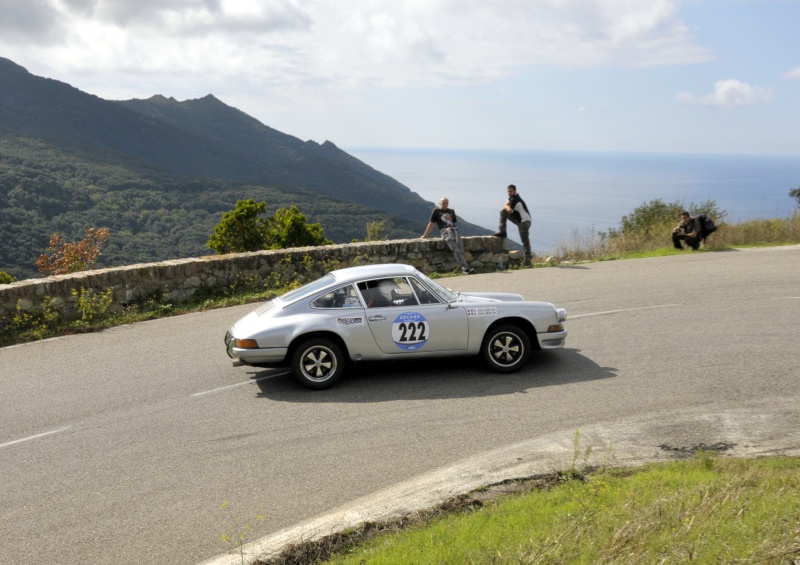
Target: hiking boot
(500, 234)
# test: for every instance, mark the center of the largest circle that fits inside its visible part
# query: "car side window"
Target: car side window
(424, 295)
(344, 297)
(387, 292)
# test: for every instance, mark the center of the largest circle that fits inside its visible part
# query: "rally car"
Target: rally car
(388, 312)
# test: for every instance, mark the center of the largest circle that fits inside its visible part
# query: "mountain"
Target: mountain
(159, 173)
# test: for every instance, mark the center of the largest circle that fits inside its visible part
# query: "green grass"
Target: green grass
(709, 509)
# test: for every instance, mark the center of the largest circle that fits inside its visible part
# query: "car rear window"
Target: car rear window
(308, 289)
(344, 297)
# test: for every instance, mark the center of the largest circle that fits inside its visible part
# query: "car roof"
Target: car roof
(351, 274)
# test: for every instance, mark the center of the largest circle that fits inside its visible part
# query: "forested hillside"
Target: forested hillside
(159, 173)
(153, 215)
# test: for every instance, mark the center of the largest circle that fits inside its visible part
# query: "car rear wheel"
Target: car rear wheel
(506, 348)
(318, 363)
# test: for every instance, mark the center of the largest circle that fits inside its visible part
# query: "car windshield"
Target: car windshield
(445, 294)
(307, 289)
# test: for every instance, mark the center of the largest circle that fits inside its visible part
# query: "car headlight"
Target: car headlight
(229, 343)
(562, 314)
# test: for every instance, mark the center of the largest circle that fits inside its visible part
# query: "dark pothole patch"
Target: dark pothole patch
(689, 451)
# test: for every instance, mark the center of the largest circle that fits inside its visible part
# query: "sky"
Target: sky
(683, 76)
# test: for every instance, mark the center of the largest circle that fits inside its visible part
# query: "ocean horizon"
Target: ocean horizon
(574, 194)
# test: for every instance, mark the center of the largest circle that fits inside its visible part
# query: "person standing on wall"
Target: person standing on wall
(517, 212)
(445, 219)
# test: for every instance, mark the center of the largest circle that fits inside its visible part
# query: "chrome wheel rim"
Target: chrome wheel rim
(505, 349)
(318, 364)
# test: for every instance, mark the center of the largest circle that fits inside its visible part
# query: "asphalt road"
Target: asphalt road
(121, 446)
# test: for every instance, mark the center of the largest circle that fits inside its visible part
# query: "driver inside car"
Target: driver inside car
(390, 291)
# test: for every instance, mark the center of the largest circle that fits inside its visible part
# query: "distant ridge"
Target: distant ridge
(280, 158)
(201, 137)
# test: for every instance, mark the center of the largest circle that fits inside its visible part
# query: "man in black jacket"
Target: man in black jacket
(517, 212)
(688, 231)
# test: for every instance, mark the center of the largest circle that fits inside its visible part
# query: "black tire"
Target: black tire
(318, 363)
(506, 348)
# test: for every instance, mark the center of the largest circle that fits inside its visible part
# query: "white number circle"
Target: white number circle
(410, 331)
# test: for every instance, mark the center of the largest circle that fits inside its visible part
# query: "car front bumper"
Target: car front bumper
(552, 340)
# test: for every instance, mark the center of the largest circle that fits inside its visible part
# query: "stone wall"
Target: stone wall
(181, 279)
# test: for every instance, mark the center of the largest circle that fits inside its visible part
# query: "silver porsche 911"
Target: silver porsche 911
(387, 312)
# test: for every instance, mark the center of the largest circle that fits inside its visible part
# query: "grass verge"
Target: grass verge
(707, 509)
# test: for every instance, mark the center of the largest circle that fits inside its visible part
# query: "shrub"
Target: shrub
(649, 226)
(376, 231)
(795, 193)
(63, 257)
(92, 306)
(290, 228)
(242, 229)
(35, 324)
(246, 229)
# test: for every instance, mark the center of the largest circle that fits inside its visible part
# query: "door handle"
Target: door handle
(376, 318)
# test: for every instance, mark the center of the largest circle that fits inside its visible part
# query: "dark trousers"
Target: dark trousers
(524, 232)
(693, 242)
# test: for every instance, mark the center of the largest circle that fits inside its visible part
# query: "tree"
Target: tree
(63, 257)
(246, 229)
(290, 228)
(5, 278)
(376, 231)
(650, 216)
(242, 229)
(795, 193)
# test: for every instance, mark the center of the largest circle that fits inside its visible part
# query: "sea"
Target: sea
(573, 195)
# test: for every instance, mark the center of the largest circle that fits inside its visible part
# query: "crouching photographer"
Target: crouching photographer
(689, 232)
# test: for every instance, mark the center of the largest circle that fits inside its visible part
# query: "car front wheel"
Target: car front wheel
(318, 363)
(506, 348)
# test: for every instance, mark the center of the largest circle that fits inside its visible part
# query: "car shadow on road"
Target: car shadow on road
(441, 378)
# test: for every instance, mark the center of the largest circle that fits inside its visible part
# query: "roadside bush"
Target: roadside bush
(63, 257)
(246, 228)
(759, 232)
(376, 231)
(31, 325)
(92, 306)
(647, 228)
(795, 193)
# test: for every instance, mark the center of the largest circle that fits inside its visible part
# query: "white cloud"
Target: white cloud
(793, 74)
(292, 45)
(728, 93)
